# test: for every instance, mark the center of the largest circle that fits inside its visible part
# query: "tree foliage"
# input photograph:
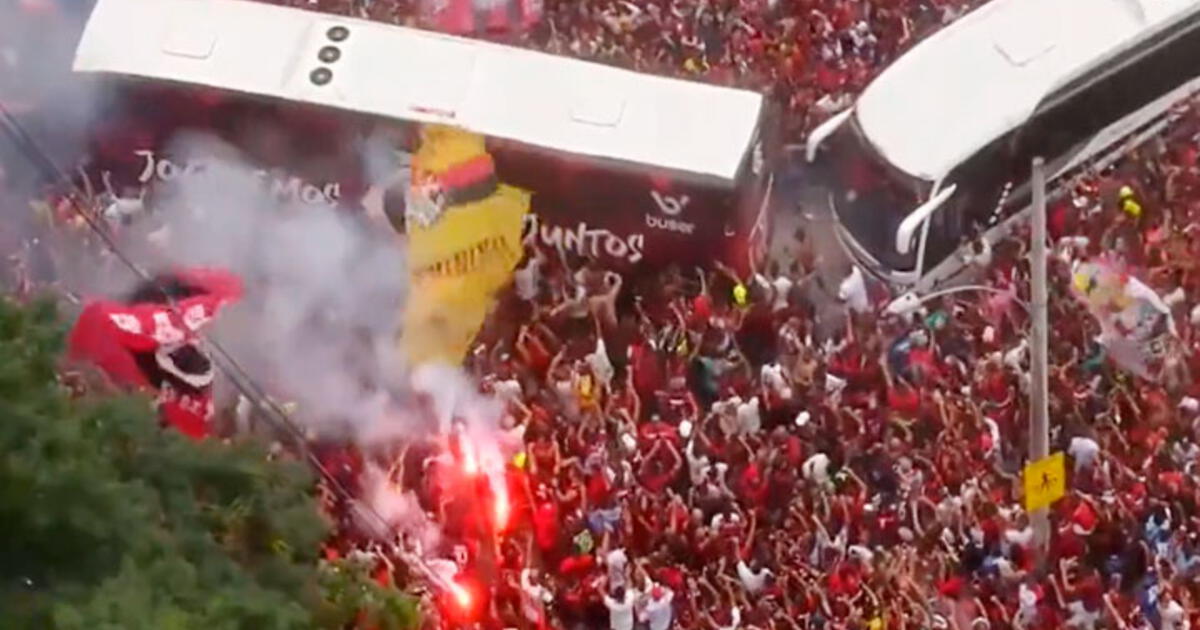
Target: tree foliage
(109, 522)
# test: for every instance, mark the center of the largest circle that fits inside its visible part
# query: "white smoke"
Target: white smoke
(399, 509)
(319, 323)
(323, 289)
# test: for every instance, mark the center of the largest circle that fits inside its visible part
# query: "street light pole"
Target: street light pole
(1039, 405)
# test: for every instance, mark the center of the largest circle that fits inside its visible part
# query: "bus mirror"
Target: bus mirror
(914, 220)
(822, 132)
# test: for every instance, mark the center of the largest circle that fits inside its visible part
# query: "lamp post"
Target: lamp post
(1039, 425)
(1039, 409)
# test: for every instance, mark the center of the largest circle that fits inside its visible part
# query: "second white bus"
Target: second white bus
(937, 150)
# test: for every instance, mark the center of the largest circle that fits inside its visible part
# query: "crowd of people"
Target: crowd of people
(687, 452)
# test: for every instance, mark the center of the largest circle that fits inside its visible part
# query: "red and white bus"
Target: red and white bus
(629, 167)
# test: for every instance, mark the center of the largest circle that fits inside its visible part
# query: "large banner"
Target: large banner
(464, 238)
(1135, 324)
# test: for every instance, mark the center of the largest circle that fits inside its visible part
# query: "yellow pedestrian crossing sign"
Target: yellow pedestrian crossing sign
(1045, 481)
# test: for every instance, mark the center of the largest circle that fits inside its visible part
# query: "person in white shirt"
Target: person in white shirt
(720, 519)
(616, 561)
(1027, 611)
(993, 430)
(1174, 617)
(773, 377)
(527, 278)
(534, 596)
(783, 288)
(853, 291)
(1019, 537)
(753, 581)
(620, 609)
(1015, 357)
(697, 465)
(816, 469)
(507, 390)
(834, 385)
(598, 361)
(1081, 617)
(1083, 450)
(749, 418)
(727, 414)
(657, 610)
(512, 436)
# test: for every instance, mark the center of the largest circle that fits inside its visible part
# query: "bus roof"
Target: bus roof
(544, 100)
(985, 74)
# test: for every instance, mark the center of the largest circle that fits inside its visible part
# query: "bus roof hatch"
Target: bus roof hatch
(598, 110)
(193, 39)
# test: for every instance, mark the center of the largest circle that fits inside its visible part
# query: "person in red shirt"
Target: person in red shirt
(677, 403)
(651, 432)
(752, 486)
(660, 467)
(546, 530)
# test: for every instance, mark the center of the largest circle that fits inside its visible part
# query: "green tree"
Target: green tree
(109, 522)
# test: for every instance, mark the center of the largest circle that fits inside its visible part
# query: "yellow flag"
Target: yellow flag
(461, 258)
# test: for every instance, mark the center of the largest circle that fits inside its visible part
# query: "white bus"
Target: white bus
(675, 170)
(937, 149)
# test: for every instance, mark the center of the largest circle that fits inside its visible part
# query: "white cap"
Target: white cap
(802, 418)
(685, 429)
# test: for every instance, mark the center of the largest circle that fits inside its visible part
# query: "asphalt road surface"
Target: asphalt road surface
(800, 204)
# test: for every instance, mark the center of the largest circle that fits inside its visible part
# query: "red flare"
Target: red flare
(503, 508)
(462, 596)
(470, 461)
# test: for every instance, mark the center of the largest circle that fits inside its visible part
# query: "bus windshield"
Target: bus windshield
(871, 197)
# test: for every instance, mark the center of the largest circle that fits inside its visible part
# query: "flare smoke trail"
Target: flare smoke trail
(323, 290)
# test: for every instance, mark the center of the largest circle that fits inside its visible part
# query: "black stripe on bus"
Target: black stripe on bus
(1120, 61)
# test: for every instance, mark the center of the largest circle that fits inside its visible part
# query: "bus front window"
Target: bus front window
(871, 197)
